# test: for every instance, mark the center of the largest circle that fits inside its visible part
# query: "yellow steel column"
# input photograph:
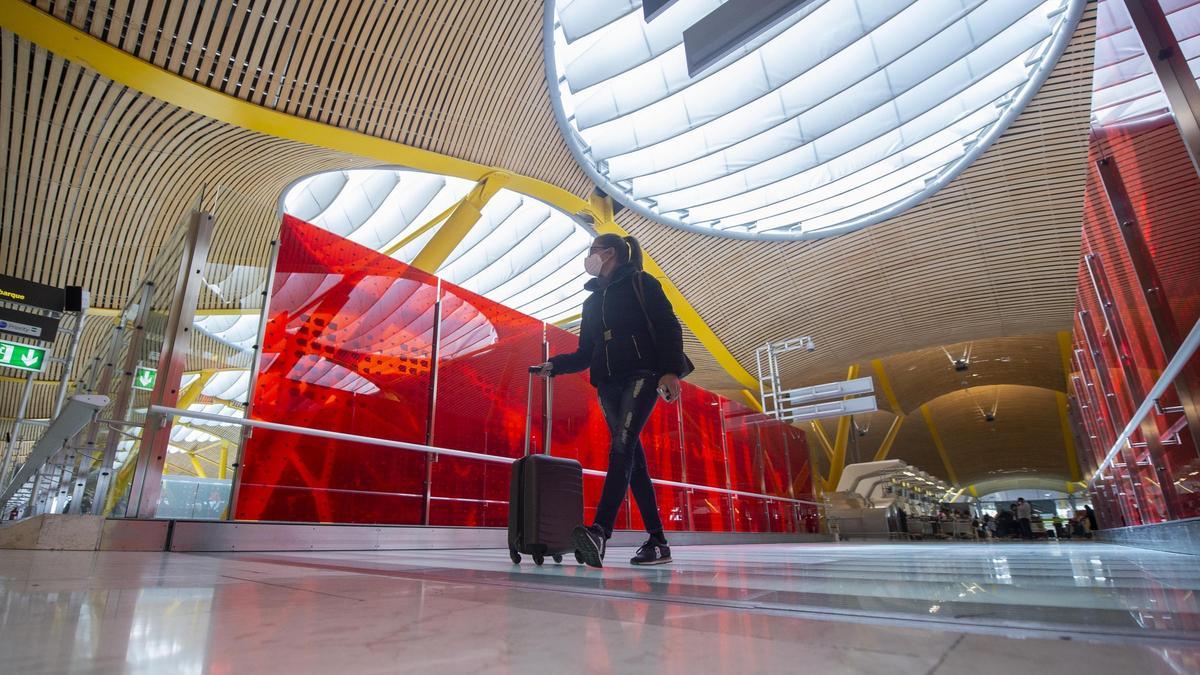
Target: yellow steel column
(224, 462)
(200, 473)
(120, 483)
(885, 385)
(973, 491)
(822, 439)
(937, 443)
(190, 395)
(889, 439)
(838, 462)
(1068, 437)
(391, 250)
(460, 222)
(746, 394)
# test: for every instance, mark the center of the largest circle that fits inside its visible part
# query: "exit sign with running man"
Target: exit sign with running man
(22, 357)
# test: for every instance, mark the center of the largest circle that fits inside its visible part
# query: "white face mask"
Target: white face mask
(593, 264)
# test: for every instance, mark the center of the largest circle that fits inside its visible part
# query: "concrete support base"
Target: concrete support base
(53, 532)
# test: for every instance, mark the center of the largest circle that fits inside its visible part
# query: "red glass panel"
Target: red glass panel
(801, 463)
(347, 348)
(1147, 179)
(703, 438)
(710, 511)
(663, 443)
(672, 509)
(484, 350)
(781, 517)
(749, 514)
(743, 450)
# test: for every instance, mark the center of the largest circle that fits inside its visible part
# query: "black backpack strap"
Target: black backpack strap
(639, 290)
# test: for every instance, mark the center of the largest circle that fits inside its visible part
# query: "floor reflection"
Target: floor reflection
(845, 608)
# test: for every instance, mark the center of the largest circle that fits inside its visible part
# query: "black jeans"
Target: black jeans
(627, 406)
(1026, 528)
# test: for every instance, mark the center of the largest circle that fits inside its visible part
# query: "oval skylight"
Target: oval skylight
(841, 115)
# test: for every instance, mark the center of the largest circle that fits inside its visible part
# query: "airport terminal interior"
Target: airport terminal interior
(684, 336)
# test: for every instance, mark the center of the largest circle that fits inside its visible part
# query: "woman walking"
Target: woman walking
(631, 341)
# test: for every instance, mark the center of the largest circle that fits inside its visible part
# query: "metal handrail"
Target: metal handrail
(431, 449)
(1182, 355)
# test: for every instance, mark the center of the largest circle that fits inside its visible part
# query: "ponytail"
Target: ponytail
(635, 252)
(629, 251)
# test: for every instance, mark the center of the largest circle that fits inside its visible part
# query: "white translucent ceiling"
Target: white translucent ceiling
(1125, 87)
(850, 112)
(521, 253)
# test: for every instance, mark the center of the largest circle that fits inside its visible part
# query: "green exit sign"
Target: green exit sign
(22, 357)
(143, 378)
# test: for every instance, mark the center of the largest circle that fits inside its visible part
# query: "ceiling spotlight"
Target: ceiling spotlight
(991, 417)
(961, 364)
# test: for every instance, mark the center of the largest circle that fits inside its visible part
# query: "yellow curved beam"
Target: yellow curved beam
(124, 68)
(841, 440)
(938, 445)
(459, 223)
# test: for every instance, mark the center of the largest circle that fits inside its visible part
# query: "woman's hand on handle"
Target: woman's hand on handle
(669, 387)
(543, 369)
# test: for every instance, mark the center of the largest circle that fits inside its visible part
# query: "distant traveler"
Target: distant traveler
(1024, 518)
(1004, 523)
(632, 342)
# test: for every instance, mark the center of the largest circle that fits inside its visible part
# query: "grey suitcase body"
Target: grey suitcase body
(545, 499)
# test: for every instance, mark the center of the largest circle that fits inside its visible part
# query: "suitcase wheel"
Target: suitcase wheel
(516, 557)
(538, 559)
(558, 558)
(578, 557)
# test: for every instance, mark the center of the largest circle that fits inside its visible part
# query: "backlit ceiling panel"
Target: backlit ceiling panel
(521, 253)
(843, 114)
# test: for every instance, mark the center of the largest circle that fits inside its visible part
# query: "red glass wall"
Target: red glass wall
(1139, 293)
(360, 343)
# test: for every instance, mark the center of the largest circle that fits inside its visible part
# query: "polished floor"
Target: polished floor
(831, 608)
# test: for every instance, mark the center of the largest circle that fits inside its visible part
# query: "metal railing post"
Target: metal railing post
(121, 407)
(22, 407)
(255, 364)
(156, 435)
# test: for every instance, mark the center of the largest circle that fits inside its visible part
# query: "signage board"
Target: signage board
(144, 378)
(25, 292)
(22, 357)
(25, 324)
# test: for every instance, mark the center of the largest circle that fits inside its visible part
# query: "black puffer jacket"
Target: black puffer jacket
(614, 340)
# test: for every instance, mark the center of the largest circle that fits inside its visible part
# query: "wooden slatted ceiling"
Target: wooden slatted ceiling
(98, 175)
(1018, 376)
(464, 78)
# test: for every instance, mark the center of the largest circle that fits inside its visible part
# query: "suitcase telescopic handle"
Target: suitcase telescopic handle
(549, 389)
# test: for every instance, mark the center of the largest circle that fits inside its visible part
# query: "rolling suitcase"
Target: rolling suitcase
(545, 497)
